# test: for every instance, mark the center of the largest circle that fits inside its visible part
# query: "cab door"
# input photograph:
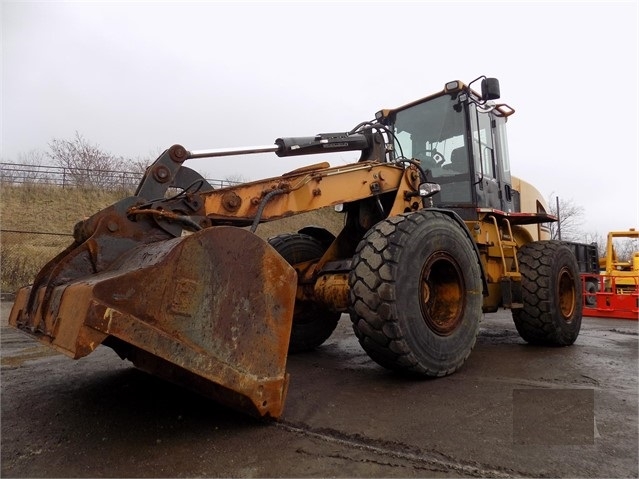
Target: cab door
(503, 162)
(492, 180)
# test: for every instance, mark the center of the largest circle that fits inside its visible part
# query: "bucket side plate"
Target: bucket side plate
(211, 311)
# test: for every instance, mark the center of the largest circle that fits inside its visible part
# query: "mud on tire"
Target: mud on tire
(416, 293)
(551, 293)
(312, 323)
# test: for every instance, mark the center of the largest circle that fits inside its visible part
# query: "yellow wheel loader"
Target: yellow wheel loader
(436, 233)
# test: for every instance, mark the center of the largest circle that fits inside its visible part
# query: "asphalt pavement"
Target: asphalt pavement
(513, 410)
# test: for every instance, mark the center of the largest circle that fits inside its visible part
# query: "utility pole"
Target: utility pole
(558, 220)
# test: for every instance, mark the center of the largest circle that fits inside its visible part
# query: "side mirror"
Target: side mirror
(490, 89)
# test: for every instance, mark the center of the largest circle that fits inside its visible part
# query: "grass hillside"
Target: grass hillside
(50, 209)
(48, 213)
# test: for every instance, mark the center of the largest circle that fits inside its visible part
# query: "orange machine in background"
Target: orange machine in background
(615, 292)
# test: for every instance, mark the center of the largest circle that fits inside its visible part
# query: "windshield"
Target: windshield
(433, 132)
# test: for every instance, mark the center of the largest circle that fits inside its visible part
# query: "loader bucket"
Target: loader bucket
(211, 311)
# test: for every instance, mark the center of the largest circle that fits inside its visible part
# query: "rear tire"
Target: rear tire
(312, 323)
(416, 293)
(551, 293)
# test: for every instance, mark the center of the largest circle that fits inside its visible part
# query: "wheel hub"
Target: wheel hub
(566, 294)
(441, 293)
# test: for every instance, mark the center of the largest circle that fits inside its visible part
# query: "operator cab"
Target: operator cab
(459, 138)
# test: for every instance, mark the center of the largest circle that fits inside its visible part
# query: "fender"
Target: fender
(461, 223)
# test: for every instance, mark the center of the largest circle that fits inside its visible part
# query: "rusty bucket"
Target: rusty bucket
(211, 311)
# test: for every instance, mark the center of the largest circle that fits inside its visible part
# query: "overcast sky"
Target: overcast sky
(137, 77)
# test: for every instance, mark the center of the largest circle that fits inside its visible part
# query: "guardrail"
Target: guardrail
(19, 174)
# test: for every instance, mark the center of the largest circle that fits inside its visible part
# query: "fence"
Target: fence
(24, 253)
(20, 174)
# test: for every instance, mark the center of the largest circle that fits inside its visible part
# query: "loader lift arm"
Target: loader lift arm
(301, 190)
(211, 310)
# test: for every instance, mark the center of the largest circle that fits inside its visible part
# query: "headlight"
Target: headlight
(427, 190)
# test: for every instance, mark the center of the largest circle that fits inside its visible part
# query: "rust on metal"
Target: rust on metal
(231, 201)
(332, 291)
(211, 311)
(178, 153)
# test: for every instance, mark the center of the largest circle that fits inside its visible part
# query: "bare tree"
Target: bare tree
(86, 164)
(31, 158)
(599, 239)
(28, 169)
(236, 179)
(625, 248)
(139, 165)
(570, 219)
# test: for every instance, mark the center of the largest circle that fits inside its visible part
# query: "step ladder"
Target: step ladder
(510, 279)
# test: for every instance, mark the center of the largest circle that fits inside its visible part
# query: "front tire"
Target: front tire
(416, 293)
(312, 323)
(551, 293)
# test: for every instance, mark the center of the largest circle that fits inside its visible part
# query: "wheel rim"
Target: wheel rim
(567, 294)
(441, 294)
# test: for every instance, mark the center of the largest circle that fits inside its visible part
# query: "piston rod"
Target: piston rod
(233, 151)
